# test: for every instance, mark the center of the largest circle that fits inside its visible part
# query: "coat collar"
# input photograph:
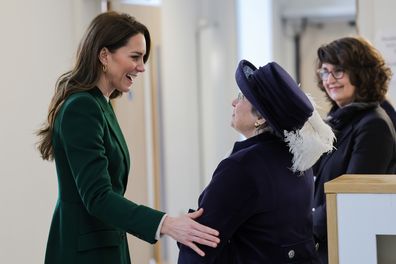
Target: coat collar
(340, 117)
(342, 122)
(112, 121)
(253, 140)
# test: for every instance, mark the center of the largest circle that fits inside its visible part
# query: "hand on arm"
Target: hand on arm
(188, 232)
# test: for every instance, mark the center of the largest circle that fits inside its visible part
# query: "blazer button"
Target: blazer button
(317, 246)
(291, 254)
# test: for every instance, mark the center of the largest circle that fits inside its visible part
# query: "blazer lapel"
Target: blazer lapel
(113, 123)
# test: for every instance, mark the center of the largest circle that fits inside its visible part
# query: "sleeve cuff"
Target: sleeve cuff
(158, 233)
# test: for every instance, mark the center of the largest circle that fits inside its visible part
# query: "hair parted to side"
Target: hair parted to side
(362, 62)
(109, 30)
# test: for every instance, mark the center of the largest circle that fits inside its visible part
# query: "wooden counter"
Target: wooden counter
(352, 184)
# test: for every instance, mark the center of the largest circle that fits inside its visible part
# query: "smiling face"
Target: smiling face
(340, 90)
(122, 66)
(243, 119)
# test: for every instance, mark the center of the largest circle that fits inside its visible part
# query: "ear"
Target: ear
(260, 120)
(103, 55)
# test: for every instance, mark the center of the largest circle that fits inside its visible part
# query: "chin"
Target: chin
(125, 90)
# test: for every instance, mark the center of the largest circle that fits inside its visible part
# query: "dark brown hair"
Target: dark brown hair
(109, 30)
(362, 62)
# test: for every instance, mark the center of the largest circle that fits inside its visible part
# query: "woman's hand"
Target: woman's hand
(188, 232)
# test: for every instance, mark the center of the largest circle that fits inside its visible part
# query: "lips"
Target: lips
(130, 76)
(334, 89)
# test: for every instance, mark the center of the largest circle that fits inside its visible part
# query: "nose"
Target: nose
(140, 66)
(234, 102)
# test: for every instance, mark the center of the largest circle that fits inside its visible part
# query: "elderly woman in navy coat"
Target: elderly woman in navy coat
(355, 79)
(260, 197)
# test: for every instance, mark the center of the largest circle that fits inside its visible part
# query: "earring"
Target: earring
(104, 68)
(257, 124)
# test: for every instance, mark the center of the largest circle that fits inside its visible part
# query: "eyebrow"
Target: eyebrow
(136, 52)
(335, 68)
(331, 66)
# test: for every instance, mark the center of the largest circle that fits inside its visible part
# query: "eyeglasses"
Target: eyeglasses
(337, 74)
(240, 96)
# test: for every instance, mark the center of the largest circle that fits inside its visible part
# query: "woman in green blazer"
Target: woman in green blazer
(92, 161)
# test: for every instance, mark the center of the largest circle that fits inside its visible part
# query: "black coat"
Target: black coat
(390, 110)
(260, 207)
(365, 145)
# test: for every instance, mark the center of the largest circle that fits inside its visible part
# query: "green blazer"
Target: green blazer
(92, 164)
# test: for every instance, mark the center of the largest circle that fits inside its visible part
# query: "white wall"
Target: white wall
(283, 31)
(255, 31)
(37, 44)
(196, 41)
(376, 22)
(179, 90)
(216, 86)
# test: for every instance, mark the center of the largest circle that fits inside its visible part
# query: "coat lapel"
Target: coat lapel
(113, 123)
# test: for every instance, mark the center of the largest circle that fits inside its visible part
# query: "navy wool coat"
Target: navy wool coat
(365, 145)
(260, 207)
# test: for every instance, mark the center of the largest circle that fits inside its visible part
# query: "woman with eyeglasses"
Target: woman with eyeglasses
(355, 79)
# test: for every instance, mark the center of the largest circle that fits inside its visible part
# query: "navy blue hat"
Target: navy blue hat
(275, 95)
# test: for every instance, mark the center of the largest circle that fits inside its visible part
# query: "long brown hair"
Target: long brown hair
(109, 30)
